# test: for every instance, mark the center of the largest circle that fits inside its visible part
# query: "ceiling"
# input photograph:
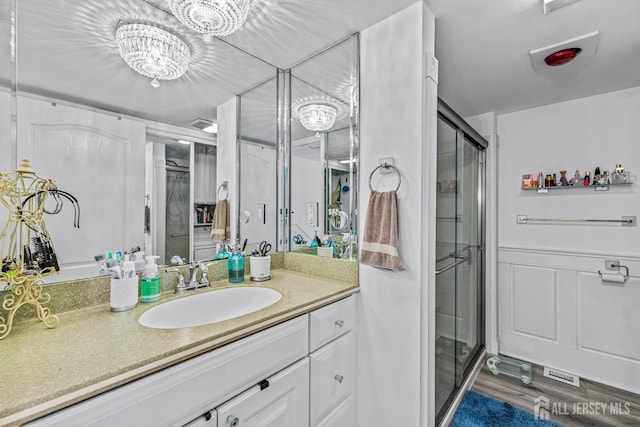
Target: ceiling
(66, 50)
(483, 52)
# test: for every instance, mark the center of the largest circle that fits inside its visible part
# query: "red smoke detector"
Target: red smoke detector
(562, 56)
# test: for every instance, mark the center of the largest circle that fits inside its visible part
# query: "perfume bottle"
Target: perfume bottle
(587, 178)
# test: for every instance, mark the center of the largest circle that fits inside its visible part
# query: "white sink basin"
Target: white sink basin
(209, 307)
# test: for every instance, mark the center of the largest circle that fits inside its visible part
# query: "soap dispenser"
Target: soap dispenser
(150, 283)
(138, 261)
(236, 265)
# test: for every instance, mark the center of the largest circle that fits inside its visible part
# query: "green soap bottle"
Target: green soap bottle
(150, 283)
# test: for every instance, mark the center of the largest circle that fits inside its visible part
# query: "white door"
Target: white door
(99, 159)
(280, 401)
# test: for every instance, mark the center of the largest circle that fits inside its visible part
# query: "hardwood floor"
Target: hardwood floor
(568, 405)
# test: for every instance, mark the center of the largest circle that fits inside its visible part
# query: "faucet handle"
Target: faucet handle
(180, 287)
(204, 268)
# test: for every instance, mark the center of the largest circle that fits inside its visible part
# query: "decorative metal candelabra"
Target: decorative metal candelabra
(26, 251)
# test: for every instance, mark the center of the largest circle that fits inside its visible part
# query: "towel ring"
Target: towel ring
(222, 187)
(386, 166)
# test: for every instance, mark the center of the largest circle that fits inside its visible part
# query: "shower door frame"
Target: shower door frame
(464, 132)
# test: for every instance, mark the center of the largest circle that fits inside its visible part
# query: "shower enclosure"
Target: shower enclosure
(460, 237)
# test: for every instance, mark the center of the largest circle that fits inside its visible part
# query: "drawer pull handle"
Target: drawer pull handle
(340, 323)
(339, 378)
(233, 421)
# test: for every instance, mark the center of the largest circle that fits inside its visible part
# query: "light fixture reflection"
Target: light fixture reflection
(317, 116)
(211, 17)
(153, 52)
(213, 128)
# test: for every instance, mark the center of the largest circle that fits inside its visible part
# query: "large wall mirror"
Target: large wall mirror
(298, 165)
(324, 151)
(134, 151)
(135, 155)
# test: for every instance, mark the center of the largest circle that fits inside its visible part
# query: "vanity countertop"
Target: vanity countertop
(93, 350)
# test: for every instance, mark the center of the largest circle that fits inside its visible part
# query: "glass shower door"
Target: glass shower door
(459, 265)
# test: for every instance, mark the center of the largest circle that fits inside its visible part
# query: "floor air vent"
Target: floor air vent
(562, 376)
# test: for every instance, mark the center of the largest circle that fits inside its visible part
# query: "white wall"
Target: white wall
(580, 134)
(307, 182)
(258, 178)
(390, 322)
(553, 308)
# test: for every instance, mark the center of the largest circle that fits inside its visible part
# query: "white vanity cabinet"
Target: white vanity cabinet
(333, 364)
(299, 373)
(180, 393)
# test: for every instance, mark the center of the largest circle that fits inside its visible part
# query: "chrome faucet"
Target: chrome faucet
(193, 275)
(204, 279)
(193, 284)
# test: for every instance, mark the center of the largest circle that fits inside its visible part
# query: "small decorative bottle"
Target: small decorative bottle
(587, 178)
(563, 179)
(236, 266)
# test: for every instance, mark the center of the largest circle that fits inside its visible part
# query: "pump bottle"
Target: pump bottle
(150, 283)
(236, 266)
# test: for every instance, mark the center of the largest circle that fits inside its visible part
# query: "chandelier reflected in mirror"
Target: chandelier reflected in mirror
(153, 52)
(318, 114)
(317, 117)
(211, 17)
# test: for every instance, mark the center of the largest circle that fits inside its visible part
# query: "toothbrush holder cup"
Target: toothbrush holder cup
(123, 295)
(260, 268)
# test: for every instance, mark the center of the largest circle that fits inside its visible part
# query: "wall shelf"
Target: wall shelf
(545, 190)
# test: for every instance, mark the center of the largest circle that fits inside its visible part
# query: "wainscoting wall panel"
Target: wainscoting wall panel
(555, 310)
(609, 314)
(535, 301)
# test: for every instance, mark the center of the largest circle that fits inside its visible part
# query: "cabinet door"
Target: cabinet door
(284, 402)
(343, 416)
(333, 371)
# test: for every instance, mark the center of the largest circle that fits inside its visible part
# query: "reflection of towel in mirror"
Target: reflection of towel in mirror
(220, 225)
(380, 239)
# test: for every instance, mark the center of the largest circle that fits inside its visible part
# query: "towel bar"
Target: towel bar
(624, 221)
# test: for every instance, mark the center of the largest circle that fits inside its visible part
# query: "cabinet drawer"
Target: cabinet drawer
(283, 403)
(330, 322)
(344, 415)
(333, 372)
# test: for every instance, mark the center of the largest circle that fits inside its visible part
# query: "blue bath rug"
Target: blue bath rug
(478, 410)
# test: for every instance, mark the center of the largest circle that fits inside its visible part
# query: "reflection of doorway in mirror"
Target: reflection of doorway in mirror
(306, 187)
(177, 203)
(96, 157)
(167, 185)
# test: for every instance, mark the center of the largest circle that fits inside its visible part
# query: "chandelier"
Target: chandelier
(153, 52)
(318, 117)
(211, 17)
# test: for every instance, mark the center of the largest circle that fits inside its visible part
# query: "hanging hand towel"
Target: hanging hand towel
(220, 225)
(380, 240)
